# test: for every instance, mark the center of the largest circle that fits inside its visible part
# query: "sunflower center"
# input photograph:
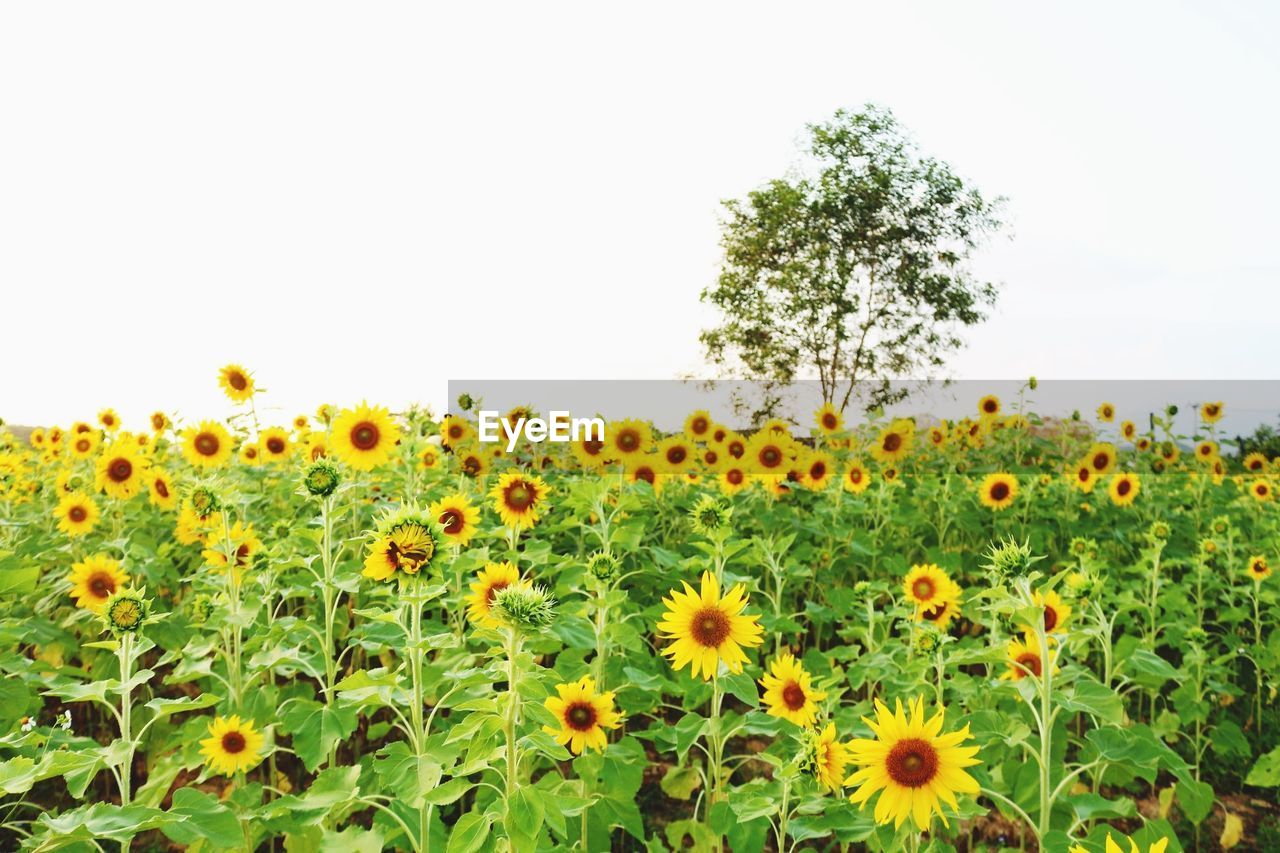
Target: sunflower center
(770, 457)
(1100, 461)
(677, 455)
(892, 442)
(471, 465)
(793, 696)
(162, 489)
(493, 590)
(855, 475)
(580, 716)
(829, 421)
(83, 445)
(999, 491)
(923, 589)
(989, 407)
(817, 470)
(157, 422)
(233, 743)
(736, 449)
(734, 477)
(101, 584)
(452, 521)
(120, 470)
(592, 446)
(1030, 663)
(709, 627)
(364, 435)
(1083, 475)
(1123, 487)
(237, 381)
(206, 444)
(646, 473)
(518, 496)
(1050, 618)
(77, 514)
(699, 426)
(912, 763)
(275, 445)
(628, 440)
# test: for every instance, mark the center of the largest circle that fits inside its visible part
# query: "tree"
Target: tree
(854, 269)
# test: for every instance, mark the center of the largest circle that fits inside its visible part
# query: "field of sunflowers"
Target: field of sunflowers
(365, 630)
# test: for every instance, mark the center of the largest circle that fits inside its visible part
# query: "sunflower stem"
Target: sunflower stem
(513, 714)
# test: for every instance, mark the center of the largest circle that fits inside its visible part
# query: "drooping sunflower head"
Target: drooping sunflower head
(519, 498)
(998, 491)
(77, 513)
(459, 520)
(120, 470)
(233, 745)
(828, 419)
(364, 437)
(707, 629)
(913, 765)
(1259, 569)
(206, 445)
(236, 383)
(94, 580)
(789, 691)
(582, 715)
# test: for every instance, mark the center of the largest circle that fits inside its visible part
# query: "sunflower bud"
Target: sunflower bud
(465, 401)
(204, 501)
(1159, 531)
(1033, 383)
(1009, 558)
(925, 640)
(200, 609)
(525, 608)
(710, 516)
(603, 566)
(124, 612)
(321, 478)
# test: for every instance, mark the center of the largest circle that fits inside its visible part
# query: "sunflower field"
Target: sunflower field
(365, 631)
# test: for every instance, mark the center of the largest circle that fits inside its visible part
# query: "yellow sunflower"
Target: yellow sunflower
(830, 757)
(490, 579)
(82, 445)
(1124, 488)
(274, 445)
(1084, 478)
(1106, 413)
(768, 453)
(519, 499)
(828, 419)
(998, 491)
(944, 608)
(1023, 658)
(989, 406)
(1101, 457)
(236, 383)
(233, 745)
(912, 764)
(365, 436)
(708, 629)
(732, 478)
(315, 447)
(458, 518)
(1056, 611)
(697, 427)
(1206, 451)
(1261, 490)
(454, 431)
(1255, 463)
(735, 446)
(94, 580)
(244, 542)
(676, 453)
(403, 548)
(789, 693)
(925, 585)
(472, 462)
(1258, 568)
(77, 513)
(625, 440)
(1128, 429)
(120, 471)
(251, 455)
(856, 477)
(894, 442)
(589, 450)
(206, 445)
(159, 422)
(109, 419)
(1211, 413)
(583, 715)
(819, 470)
(160, 489)
(1113, 847)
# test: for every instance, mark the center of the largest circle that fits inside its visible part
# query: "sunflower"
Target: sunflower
(677, 453)
(707, 628)
(697, 427)
(646, 470)
(1128, 429)
(159, 422)
(1255, 463)
(207, 445)
(363, 437)
(160, 489)
(828, 419)
(244, 542)
(236, 383)
(406, 542)
(583, 715)
(109, 419)
(589, 450)
(789, 693)
(519, 499)
(732, 478)
(275, 445)
(1113, 847)
(1023, 657)
(989, 406)
(119, 471)
(1106, 413)
(315, 447)
(83, 444)
(77, 513)
(1056, 611)
(233, 745)
(1084, 478)
(1124, 488)
(1206, 451)
(1261, 490)
(626, 440)
(454, 431)
(925, 585)
(490, 579)
(1101, 457)
(1211, 413)
(912, 764)
(735, 446)
(94, 580)
(251, 455)
(768, 453)
(945, 608)
(472, 462)
(998, 490)
(937, 436)
(894, 442)
(458, 518)
(828, 757)
(191, 527)
(1258, 568)
(856, 477)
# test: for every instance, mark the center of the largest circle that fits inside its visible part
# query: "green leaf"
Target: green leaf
(1196, 799)
(317, 728)
(197, 815)
(742, 687)
(680, 782)
(469, 833)
(1266, 773)
(1095, 698)
(169, 707)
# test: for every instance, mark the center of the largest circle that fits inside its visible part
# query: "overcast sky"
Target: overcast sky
(366, 200)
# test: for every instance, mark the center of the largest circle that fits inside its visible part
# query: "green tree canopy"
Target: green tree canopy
(854, 270)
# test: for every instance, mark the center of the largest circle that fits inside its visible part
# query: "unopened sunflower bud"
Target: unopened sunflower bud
(321, 478)
(1011, 558)
(603, 566)
(124, 612)
(465, 401)
(526, 608)
(204, 500)
(709, 515)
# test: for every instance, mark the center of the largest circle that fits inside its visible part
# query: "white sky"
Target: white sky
(366, 200)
